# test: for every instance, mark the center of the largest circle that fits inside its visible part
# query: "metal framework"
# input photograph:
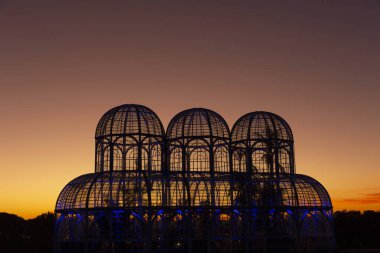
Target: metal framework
(197, 188)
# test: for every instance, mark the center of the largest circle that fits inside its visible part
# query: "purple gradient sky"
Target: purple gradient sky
(63, 63)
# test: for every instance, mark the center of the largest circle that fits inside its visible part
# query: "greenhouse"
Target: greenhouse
(194, 187)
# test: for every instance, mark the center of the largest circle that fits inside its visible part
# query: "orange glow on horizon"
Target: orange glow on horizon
(64, 64)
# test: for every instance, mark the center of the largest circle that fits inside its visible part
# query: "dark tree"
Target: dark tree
(26, 236)
(357, 230)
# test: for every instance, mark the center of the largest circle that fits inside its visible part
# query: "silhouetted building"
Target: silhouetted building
(196, 188)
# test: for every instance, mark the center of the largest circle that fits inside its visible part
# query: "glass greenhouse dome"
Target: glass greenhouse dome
(198, 187)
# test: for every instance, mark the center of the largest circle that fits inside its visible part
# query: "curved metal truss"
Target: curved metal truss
(199, 188)
(129, 137)
(198, 141)
(262, 142)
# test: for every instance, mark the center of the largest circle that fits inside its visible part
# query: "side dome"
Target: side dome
(288, 190)
(129, 137)
(261, 125)
(198, 140)
(119, 189)
(262, 142)
(297, 191)
(310, 192)
(129, 119)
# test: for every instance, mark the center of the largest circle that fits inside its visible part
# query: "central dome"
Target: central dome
(198, 141)
(197, 122)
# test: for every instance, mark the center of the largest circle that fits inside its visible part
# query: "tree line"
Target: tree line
(354, 230)
(18, 235)
(357, 230)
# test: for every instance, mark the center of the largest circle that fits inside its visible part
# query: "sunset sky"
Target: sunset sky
(63, 63)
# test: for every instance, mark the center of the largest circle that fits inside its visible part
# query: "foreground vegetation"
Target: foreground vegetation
(357, 230)
(354, 231)
(26, 236)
